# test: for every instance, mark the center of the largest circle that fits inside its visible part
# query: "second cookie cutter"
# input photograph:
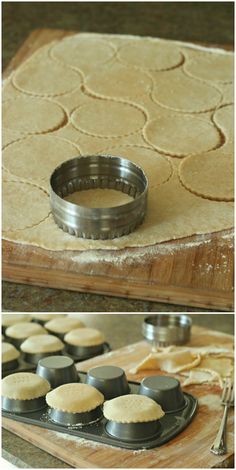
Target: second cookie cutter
(98, 171)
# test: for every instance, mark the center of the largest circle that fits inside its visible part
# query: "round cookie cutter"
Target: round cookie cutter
(98, 171)
(165, 330)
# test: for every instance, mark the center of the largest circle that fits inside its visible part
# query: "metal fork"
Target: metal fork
(219, 446)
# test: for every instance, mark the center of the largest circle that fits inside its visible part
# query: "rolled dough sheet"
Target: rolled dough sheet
(95, 125)
(211, 68)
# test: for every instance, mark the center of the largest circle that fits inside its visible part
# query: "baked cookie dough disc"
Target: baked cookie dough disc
(174, 90)
(214, 67)
(80, 52)
(63, 325)
(9, 319)
(224, 119)
(35, 157)
(24, 386)
(150, 55)
(24, 330)
(210, 174)
(36, 344)
(46, 79)
(108, 118)
(24, 205)
(157, 167)
(132, 409)
(74, 398)
(31, 115)
(9, 353)
(118, 81)
(179, 136)
(84, 337)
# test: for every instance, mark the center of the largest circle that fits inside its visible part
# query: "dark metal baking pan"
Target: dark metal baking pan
(168, 427)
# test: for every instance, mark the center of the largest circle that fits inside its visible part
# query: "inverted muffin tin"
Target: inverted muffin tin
(94, 426)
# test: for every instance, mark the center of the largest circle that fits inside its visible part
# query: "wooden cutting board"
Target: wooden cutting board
(188, 450)
(195, 271)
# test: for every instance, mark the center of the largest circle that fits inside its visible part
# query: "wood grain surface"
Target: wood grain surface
(190, 449)
(195, 271)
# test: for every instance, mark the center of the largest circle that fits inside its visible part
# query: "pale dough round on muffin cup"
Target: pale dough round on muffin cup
(84, 342)
(24, 392)
(20, 331)
(61, 326)
(36, 347)
(9, 319)
(10, 356)
(75, 404)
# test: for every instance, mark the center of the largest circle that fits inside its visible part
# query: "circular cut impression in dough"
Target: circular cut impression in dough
(31, 115)
(132, 409)
(9, 353)
(24, 205)
(46, 79)
(157, 167)
(41, 343)
(108, 118)
(210, 175)
(9, 319)
(63, 325)
(179, 135)
(24, 386)
(224, 119)
(83, 52)
(215, 67)
(147, 54)
(74, 398)
(24, 330)
(35, 157)
(84, 337)
(183, 93)
(118, 81)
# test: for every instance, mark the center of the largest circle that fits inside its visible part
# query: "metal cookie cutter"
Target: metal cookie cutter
(98, 171)
(165, 330)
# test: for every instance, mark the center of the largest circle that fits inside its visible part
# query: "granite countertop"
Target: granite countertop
(208, 22)
(119, 331)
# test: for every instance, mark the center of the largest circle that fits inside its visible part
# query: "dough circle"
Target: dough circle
(47, 316)
(98, 197)
(147, 54)
(9, 319)
(19, 198)
(84, 337)
(210, 174)
(114, 82)
(179, 135)
(24, 386)
(63, 325)
(82, 52)
(41, 343)
(156, 166)
(9, 353)
(183, 93)
(24, 330)
(211, 67)
(132, 409)
(113, 118)
(35, 157)
(31, 115)
(74, 398)
(46, 79)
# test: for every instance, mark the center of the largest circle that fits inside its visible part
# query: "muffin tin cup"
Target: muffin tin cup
(84, 351)
(166, 391)
(57, 370)
(23, 406)
(133, 431)
(75, 419)
(34, 358)
(111, 381)
(10, 365)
